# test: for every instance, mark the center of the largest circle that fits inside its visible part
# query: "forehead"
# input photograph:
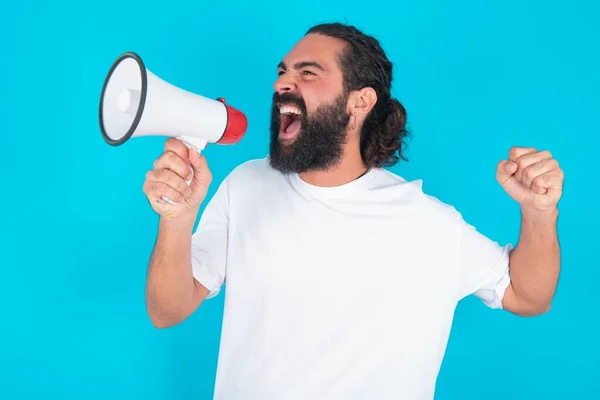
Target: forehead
(315, 48)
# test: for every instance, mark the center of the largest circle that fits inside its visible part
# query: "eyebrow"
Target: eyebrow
(302, 64)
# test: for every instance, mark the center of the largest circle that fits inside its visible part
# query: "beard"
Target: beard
(320, 141)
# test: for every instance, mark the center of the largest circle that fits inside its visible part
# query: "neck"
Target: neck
(349, 168)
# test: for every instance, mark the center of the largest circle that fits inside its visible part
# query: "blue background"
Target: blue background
(476, 77)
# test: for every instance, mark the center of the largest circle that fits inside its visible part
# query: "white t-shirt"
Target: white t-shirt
(335, 293)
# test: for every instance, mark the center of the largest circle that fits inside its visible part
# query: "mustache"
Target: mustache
(289, 98)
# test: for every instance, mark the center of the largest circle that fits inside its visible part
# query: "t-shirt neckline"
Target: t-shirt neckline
(345, 189)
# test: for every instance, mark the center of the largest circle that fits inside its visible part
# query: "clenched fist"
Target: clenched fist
(532, 178)
(170, 176)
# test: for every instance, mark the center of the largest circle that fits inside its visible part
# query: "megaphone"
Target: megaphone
(135, 102)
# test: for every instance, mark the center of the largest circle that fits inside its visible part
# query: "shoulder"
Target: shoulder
(251, 172)
(405, 191)
(251, 168)
(250, 176)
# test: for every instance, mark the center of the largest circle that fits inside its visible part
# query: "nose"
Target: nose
(285, 84)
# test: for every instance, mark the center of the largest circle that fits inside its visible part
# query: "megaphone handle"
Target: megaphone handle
(191, 143)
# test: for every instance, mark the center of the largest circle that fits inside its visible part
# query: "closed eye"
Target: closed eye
(305, 73)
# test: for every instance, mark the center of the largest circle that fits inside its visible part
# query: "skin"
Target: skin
(535, 180)
(532, 178)
(172, 293)
(323, 85)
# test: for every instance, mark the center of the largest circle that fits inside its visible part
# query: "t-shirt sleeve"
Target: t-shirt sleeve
(209, 243)
(483, 266)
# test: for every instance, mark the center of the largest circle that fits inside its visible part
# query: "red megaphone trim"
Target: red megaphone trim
(236, 126)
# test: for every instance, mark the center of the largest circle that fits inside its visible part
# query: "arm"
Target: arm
(534, 265)
(172, 293)
(535, 180)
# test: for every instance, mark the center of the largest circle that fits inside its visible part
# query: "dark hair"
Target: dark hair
(365, 64)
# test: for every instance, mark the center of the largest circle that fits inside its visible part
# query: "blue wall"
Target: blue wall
(476, 77)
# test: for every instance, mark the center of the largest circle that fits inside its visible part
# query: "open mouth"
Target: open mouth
(291, 120)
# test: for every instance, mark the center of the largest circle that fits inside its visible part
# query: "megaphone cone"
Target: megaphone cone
(135, 102)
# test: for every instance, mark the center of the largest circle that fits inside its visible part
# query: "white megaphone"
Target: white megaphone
(135, 102)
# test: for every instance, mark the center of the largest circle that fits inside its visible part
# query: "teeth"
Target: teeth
(289, 110)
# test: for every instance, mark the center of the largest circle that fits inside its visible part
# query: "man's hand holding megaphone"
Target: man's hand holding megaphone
(134, 102)
(169, 177)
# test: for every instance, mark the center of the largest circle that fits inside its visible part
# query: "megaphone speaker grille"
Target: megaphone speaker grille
(123, 98)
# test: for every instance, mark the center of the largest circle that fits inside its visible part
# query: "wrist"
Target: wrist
(179, 225)
(549, 215)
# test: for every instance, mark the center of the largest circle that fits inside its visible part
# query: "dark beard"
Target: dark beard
(319, 143)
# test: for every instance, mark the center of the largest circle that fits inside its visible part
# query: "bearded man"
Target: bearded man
(342, 277)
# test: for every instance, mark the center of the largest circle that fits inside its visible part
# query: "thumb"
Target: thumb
(505, 170)
(202, 175)
(505, 174)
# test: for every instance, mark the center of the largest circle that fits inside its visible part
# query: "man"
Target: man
(342, 277)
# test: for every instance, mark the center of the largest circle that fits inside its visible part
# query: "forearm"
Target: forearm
(535, 262)
(170, 284)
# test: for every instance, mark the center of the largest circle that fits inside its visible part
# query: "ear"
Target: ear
(360, 102)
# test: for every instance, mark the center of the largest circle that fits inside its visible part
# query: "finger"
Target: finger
(536, 169)
(202, 173)
(155, 191)
(549, 181)
(170, 178)
(171, 160)
(516, 152)
(177, 147)
(537, 186)
(529, 159)
(505, 170)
